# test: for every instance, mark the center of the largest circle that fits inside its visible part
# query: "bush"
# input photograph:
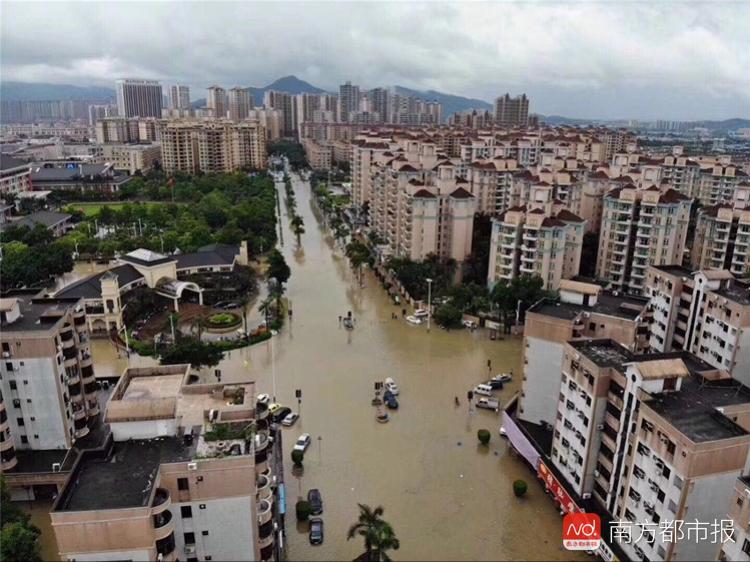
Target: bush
(303, 509)
(297, 457)
(519, 488)
(484, 436)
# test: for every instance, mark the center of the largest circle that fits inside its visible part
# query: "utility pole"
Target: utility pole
(429, 302)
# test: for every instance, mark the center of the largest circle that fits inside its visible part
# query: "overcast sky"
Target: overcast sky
(669, 59)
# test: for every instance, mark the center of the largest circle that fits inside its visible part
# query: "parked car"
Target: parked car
(263, 398)
(290, 419)
(483, 389)
(414, 320)
(503, 377)
(488, 404)
(303, 442)
(279, 415)
(391, 386)
(316, 530)
(316, 501)
(503, 433)
(470, 324)
(496, 385)
(421, 313)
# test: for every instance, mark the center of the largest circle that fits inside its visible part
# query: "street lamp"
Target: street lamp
(429, 302)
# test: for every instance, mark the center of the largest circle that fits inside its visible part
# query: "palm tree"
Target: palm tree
(265, 307)
(378, 534)
(198, 323)
(298, 226)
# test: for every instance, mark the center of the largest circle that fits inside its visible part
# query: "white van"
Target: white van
(483, 389)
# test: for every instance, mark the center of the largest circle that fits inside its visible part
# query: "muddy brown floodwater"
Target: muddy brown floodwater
(447, 497)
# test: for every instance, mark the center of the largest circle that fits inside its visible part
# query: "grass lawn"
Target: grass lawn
(92, 208)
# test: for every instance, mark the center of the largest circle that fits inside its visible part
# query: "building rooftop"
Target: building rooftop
(607, 304)
(141, 256)
(693, 409)
(603, 352)
(91, 287)
(125, 478)
(46, 218)
(674, 270)
(9, 163)
(36, 313)
(736, 292)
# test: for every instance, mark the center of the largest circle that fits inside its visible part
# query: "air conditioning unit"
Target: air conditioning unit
(659, 464)
(747, 493)
(563, 462)
(6, 354)
(583, 394)
(663, 439)
(56, 467)
(192, 466)
(600, 426)
(586, 496)
(189, 549)
(596, 474)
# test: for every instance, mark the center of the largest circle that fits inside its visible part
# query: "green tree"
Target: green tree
(448, 316)
(20, 543)
(303, 509)
(298, 457)
(19, 540)
(298, 226)
(484, 436)
(277, 266)
(519, 488)
(377, 534)
(192, 350)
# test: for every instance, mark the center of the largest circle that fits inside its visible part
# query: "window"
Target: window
(186, 511)
(19, 421)
(678, 482)
(204, 533)
(13, 385)
(740, 501)
(746, 546)
(24, 439)
(182, 484)
(189, 538)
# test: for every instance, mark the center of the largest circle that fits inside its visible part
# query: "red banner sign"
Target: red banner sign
(556, 489)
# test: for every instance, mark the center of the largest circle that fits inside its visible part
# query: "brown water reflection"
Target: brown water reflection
(447, 497)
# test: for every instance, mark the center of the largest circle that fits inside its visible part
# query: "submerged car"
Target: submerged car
(303, 442)
(281, 413)
(391, 386)
(316, 530)
(290, 419)
(316, 501)
(414, 320)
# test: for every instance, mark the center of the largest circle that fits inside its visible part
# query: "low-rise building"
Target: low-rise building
(132, 158)
(57, 223)
(81, 177)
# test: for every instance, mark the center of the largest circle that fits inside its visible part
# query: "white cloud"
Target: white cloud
(670, 59)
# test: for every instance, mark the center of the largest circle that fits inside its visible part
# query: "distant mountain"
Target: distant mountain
(26, 91)
(725, 125)
(451, 104)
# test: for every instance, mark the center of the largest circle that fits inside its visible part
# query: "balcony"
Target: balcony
(612, 422)
(8, 459)
(263, 487)
(162, 500)
(265, 512)
(265, 535)
(163, 524)
(78, 412)
(261, 411)
(165, 546)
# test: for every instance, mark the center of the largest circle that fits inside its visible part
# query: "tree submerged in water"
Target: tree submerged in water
(378, 535)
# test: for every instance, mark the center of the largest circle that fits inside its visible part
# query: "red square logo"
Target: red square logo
(582, 531)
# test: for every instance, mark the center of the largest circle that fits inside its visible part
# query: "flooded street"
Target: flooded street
(447, 497)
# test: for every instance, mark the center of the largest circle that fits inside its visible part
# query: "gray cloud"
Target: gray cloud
(606, 59)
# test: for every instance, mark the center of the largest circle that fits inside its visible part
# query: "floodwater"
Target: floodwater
(447, 497)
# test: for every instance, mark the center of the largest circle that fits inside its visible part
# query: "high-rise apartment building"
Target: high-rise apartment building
(640, 227)
(706, 312)
(270, 119)
(179, 97)
(216, 101)
(348, 100)
(649, 438)
(139, 98)
(240, 103)
(168, 484)
(545, 240)
(380, 103)
(48, 389)
(581, 310)
(213, 146)
(287, 105)
(511, 112)
(99, 111)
